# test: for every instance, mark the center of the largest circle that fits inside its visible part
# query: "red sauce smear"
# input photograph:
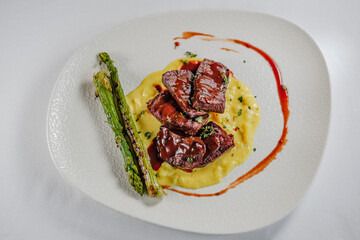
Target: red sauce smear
(187, 35)
(284, 102)
(229, 50)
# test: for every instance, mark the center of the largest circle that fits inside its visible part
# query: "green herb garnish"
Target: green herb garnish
(198, 119)
(207, 131)
(190, 159)
(148, 135)
(226, 81)
(138, 117)
(184, 62)
(254, 149)
(241, 99)
(239, 112)
(190, 54)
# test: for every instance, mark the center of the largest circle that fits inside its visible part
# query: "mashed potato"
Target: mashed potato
(241, 118)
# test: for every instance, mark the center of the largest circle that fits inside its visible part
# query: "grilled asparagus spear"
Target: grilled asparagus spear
(104, 91)
(153, 187)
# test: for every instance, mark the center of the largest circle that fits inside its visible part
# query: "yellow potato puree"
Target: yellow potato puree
(241, 118)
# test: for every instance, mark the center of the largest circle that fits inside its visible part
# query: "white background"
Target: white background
(36, 40)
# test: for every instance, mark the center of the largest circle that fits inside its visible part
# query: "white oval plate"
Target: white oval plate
(82, 146)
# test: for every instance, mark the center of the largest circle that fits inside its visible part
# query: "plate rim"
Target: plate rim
(205, 10)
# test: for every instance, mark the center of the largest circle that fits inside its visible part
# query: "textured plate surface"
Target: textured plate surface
(82, 147)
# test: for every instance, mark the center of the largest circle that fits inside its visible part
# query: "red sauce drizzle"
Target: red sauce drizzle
(187, 35)
(284, 102)
(176, 44)
(229, 50)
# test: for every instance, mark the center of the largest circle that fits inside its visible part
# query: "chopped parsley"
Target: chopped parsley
(138, 117)
(198, 119)
(249, 107)
(230, 99)
(241, 99)
(190, 159)
(244, 61)
(207, 131)
(239, 112)
(139, 132)
(254, 149)
(283, 87)
(184, 61)
(190, 54)
(226, 81)
(232, 155)
(148, 135)
(168, 118)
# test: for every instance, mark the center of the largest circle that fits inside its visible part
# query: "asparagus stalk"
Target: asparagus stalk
(153, 187)
(104, 91)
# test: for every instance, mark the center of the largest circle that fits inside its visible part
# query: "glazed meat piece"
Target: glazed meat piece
(165, 109)
(179, 84)
(178, 150)
(210, 86)
(217, 141)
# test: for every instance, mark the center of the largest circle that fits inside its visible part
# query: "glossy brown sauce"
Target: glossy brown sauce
(216, 72)
(191, 66)
(179, 84)
(153, 154)
(155, 160)
(158, 88)
(284, 102)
